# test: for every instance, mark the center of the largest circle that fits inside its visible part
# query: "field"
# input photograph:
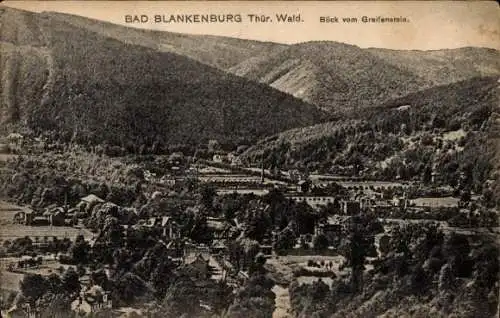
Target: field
(13, 231)
(436, 202)
(310, 279)
(258, 192)
(5, 157)
(10, 231)
(48, 267)
(7, 212)
(284, 266)
(10, 281)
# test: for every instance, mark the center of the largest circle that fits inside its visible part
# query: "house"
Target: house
(174, 182)
(219, 227)
(149, 176)
(176, 159)
(197, 267)
(55, 217)
(174, 249)
(303, 186)
(168, 180)
(236, 161)
(92, 198)
(366, 203)
(231, 157)
(403, 202)
(217, 158)
(152, 222)
(91, 300)
(170, 228)
(218, 247)
(266, 249)
(332, 229)
(23, 217)
(15, 142)
(88, 202)
(328, 229)
(191, 250)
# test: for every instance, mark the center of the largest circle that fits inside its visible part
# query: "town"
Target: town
(213, 222)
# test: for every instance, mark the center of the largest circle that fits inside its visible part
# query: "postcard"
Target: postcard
(249, 159)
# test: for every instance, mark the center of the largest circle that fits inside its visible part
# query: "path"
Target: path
(282, 302)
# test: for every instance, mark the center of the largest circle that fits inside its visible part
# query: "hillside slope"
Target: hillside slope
(59, 77)
(339, 77)
(333, 76)
(217, 51)
(444, 66)
(449, 128)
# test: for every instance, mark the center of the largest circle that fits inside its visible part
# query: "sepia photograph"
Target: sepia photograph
(249, 159)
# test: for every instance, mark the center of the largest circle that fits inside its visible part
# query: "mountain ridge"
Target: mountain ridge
(331, 75)
(98, 89)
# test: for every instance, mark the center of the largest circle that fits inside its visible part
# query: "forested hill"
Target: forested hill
(217, 51)
(88, 87)
(449, 128)
(333, 76)
(338, 77)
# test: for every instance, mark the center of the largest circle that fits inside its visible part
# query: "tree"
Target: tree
(100, 278)
(355, 250)
(457, 249)
(257, 267)
(305, 218)
(254, 300)
(285, 240)
(446, 278)
(320, 242)
(127, 288)
(255, 307)
(54, 283)
(55, 305)
(208, 193)
(181, 299)
(198, 228)
(80, 250)
(427, 175)
(465, 196)
(258, 221)
(33, 286)
(213, 145)
(71, 282)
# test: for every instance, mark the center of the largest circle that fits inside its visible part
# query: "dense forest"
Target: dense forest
(443, 130)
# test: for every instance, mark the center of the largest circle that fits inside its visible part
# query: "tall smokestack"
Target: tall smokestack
(262, 169)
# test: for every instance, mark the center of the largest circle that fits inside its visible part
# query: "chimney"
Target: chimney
(262, 170)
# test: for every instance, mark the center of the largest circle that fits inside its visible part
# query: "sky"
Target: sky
(432, 25)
